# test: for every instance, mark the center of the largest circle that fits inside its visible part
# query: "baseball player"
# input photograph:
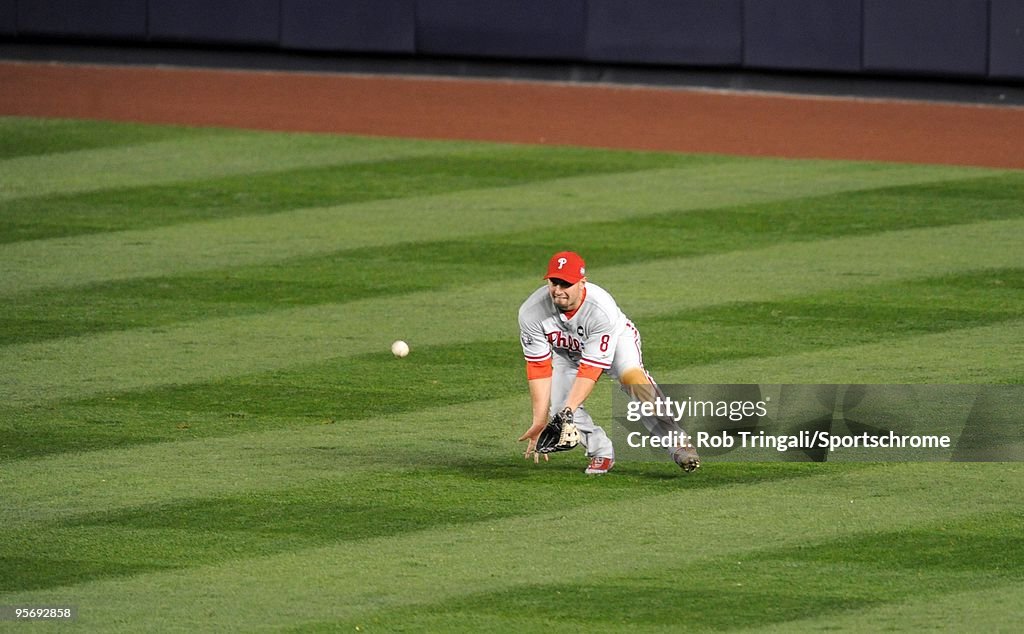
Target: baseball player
(572, 331)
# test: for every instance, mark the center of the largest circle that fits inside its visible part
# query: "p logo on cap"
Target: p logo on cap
(566, 265)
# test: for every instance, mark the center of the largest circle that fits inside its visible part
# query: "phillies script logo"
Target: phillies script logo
(565, 341)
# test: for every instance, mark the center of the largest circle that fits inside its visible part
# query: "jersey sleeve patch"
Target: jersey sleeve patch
(535, 345)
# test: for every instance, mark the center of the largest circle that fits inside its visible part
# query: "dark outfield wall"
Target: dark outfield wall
(976, 39)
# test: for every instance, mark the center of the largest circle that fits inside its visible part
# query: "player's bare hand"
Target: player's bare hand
(531, 451)
(531, 444)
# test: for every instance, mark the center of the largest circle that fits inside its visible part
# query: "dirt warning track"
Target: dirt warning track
(669, 119)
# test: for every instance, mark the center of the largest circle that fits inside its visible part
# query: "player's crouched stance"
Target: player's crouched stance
(572, 331)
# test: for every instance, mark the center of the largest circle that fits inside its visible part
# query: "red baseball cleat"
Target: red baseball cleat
(599, 466)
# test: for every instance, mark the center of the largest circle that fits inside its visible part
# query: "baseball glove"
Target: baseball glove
(560, 434)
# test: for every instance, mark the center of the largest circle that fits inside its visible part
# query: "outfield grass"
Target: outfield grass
(202, 428)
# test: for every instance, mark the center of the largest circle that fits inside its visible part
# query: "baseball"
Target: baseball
(400, 348)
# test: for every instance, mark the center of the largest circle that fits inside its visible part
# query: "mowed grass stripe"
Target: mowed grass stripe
(861, 315)
(995, 608)
(330, 392)
(338, 389)
(932, 559)
(987, 354)
(250, 461)
(809, 582)
(145, 207)
(111, 482)
(312, 403)
(191, 157)
(218, 348)
(24, 136)
(183, 474)
(191, 247)
(319, 186)
(341, 505)
(381, 271)
(449, 564)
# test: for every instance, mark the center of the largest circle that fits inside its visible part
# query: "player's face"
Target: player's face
(566, 296)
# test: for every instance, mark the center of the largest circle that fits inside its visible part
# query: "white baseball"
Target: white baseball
(400, 348)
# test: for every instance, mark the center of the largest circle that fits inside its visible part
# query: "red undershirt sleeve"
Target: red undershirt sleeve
(589, 372)
(538, 369)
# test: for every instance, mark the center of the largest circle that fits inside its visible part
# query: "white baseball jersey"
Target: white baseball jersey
(590, 335)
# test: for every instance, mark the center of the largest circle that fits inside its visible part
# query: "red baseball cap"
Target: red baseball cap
(566, 265)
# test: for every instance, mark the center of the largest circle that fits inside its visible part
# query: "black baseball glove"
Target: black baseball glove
(560, 434)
